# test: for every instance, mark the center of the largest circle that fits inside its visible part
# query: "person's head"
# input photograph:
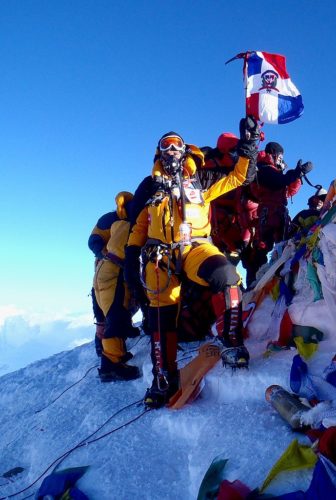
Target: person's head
(171, 148)
(123, 201)
(276, 151)
(316, 201)
(227, 146)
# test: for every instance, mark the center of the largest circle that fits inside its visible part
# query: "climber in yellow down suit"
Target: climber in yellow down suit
(171, 237)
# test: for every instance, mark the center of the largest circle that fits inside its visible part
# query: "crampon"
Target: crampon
(235, 357)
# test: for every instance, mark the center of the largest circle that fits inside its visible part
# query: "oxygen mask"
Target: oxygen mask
(172, 165)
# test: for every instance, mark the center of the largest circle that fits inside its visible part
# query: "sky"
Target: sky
(88, 86)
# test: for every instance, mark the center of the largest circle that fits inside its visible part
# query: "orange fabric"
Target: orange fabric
(121, 200)
(114, 349)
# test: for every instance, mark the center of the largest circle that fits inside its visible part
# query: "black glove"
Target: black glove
(156, 199)
(303, 168)
(249, 135)
(249, 129)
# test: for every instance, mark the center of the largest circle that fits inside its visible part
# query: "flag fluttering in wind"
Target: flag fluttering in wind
(271, 96)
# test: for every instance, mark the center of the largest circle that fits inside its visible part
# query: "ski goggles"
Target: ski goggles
(171, 141)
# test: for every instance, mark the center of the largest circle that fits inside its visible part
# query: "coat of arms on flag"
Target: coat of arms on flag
(271, 96)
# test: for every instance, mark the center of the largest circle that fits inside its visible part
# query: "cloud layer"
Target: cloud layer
(25, 337)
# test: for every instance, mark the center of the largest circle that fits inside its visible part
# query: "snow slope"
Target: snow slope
(164, 454)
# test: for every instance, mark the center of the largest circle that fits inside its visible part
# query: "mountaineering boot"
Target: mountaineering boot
(159, 394)
(154, 398)
(235, 357)
(228, 309)
(113, 365)
(118, 371)
(165, 374)
(126, 357)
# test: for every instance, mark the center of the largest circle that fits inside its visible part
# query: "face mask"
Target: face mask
(171, 165)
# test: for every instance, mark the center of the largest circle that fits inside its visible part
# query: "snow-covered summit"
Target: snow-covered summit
(162, 454)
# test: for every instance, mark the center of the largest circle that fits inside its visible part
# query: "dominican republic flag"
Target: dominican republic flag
(271, 96)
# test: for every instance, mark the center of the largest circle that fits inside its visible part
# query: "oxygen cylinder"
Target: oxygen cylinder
(287, 405)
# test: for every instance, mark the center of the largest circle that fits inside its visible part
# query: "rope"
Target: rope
(65, 390)
(85, 442)
(317, 186)
(169, 272)
(70, 387)
(157, 272)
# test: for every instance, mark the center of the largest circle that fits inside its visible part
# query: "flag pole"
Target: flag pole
(245, 56)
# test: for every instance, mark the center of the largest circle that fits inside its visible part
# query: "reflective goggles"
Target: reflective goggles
(171, 141)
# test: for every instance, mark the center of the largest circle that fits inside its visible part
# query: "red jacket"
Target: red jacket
(272, 186)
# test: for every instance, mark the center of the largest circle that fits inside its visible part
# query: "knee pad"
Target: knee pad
(218, 272)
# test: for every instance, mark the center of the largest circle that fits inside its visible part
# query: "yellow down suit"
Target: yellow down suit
(166, 259)
(111, 291)
(160, 224)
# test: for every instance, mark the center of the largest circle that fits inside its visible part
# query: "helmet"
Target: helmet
(321, 193)
(317, 198)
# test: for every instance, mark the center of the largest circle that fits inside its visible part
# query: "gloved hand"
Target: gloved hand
(157, 198)
(249, 135)
(303, 168)
(249, 129)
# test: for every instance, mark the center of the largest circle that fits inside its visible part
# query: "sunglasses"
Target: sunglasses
(170, 142)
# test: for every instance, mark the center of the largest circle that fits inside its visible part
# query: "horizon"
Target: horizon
(88, 87)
